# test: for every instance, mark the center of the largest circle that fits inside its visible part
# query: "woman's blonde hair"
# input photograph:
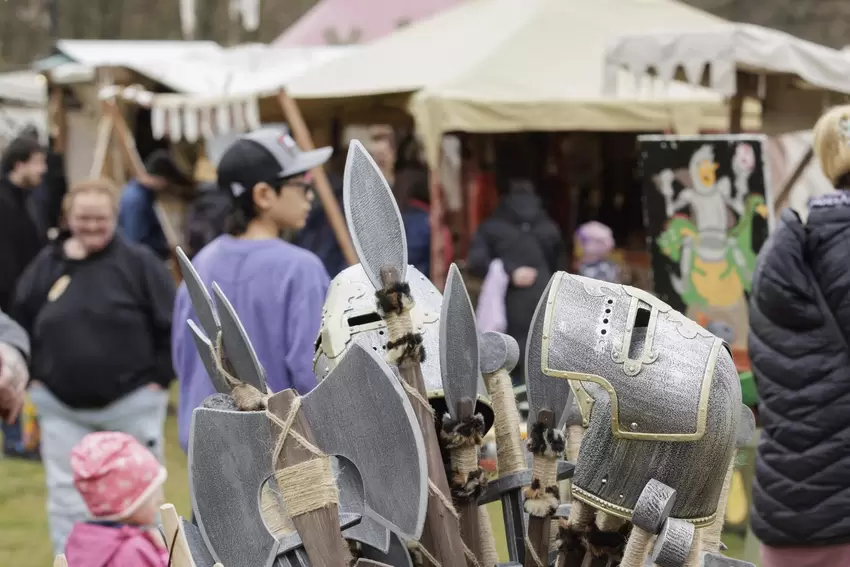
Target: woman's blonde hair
(831, 142)
(101, 186)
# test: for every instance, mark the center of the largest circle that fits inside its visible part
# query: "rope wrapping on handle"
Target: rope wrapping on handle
(305, 486)
(542, 496)
(467, 479)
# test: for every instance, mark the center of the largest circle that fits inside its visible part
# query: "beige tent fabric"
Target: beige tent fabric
(509, 65)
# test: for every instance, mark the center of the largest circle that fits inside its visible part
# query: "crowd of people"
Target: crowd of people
(94, 330)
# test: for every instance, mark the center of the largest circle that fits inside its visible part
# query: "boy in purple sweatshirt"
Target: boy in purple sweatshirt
(277, 288)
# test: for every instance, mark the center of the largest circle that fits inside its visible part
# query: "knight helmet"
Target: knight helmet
(350, 316)
(659, 395)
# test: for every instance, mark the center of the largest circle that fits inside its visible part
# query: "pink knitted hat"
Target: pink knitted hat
(114, 474)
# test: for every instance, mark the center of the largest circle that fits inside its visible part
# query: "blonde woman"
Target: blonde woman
(799, 333)
(98, 312)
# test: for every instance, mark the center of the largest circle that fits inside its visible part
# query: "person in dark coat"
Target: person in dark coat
(97, 309)
(22, 166)
(800, 355)
(529, 244)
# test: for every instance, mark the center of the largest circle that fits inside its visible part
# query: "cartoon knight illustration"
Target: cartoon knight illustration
(713, 248)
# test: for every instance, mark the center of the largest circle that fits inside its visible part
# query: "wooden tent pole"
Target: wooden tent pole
(101, 148)
(785, 192)
(326, 195)
(438, 254)
(127, 145)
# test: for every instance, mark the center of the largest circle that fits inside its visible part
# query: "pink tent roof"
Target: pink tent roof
(356, 21)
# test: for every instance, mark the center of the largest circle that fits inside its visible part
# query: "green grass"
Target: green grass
(24, 540)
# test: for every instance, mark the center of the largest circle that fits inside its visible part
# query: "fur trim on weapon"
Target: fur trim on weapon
(466, 487)
(397, 299)
(541, 502)
(546, 441)
(466, 433)
(408, 347)
(467, 481)
(355, 550)
(606, 544)
(571, 539)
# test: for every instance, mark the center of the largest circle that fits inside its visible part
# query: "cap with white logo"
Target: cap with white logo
(267, 155)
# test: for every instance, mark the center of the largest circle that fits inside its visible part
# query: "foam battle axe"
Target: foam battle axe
(359, 412)
(378, 236)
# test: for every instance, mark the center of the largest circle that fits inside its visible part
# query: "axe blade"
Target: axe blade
(201, 301)
(361, 412)
(396, 555)
(240, 352)
(368, 531)
(229, 459)
(459, 355)
(207, 354)
(543, 391)
(372, 214)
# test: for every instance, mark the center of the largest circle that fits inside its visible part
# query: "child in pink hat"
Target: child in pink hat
(121, 484)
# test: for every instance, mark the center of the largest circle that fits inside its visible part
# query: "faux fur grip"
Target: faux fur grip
(546, 441)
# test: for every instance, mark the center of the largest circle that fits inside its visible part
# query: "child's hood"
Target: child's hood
(98, 545)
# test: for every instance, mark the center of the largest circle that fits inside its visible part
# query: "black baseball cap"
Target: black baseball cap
(268, 155)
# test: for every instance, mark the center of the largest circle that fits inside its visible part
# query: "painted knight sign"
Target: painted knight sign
(706, 219)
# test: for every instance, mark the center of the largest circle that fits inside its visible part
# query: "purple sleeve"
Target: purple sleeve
(304, 298)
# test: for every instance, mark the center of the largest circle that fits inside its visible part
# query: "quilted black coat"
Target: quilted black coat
(801, 359)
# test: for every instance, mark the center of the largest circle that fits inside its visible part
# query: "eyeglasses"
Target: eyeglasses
(306, 187)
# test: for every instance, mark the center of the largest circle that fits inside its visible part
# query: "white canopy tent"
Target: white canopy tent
(507, 66)
(216, 89)
(796, 78)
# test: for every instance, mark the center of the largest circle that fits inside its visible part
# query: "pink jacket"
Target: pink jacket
(490, 314)
(113, 545)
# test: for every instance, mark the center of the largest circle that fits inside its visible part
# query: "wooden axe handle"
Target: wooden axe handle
(469, 524)
(175, 537)
(319, 529)
(441, 537)
(510, 456)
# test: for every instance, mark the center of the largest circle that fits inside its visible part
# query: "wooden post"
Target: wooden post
(127, 145)
(438, 255)
(101, 148)
(785, 192)
(58, 123)
(323, 186)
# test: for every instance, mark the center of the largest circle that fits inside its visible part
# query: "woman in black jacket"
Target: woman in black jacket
(528, 242)
(98, 312)
(800, 354)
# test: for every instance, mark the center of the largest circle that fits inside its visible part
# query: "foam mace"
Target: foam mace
(379, 239)
(462, 429)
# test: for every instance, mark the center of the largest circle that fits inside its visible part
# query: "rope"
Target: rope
(308, 485)
(608, 522)
(433, 489)
(278, 522)
(711, 533)
(575, 435)
(695, 556)
(636, 548)
(465, 460)
(509, 453)
(489, 555)
(414, 393)
(419, 548)
(247, 397)
(529, 548)
(545, 469)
